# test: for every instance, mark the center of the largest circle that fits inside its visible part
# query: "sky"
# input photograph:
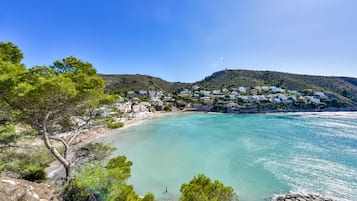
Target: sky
(187, 40)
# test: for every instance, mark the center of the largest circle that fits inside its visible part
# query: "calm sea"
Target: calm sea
(257, 154)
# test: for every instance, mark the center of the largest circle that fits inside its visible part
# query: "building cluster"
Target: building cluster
(244, 95)
(145, 101)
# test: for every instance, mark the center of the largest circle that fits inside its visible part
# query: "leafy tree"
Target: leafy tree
(201, 188)
(51, 99)
(105, 183)
(10, 53)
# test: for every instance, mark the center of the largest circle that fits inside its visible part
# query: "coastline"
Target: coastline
(96, 133)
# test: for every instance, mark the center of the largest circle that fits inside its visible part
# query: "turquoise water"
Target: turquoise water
(257, 154)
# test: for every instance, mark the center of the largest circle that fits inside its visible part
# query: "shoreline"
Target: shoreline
(94, 134)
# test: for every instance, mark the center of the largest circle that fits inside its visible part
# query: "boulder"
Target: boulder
(22, 190)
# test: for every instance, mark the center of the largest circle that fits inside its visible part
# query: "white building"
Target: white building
(313, 99)
(143, 92)
(195, 88)
(320, 95)
(216, 92)
(205, 93)
(242, 89)
(275, 89)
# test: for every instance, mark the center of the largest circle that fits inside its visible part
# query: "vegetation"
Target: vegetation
(51, 99)
(201, 188)
(95, 182)
(168, 108)
(119, 84)
(8, 137)
(113, 124)
(341, 87)
(26, 163)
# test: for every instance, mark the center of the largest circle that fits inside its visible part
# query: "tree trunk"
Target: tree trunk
(46, 138)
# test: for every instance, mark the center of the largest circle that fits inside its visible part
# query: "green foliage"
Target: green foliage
(7, 135)
(93, 152)
(66, 89)
(10, 53)
(113, 125)
(74, 190)
(28, 163)
(107, 183)
(119, 84)
(201, 188)
(168, 108)
(149, 197)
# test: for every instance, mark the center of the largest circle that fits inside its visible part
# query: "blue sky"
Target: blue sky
(186, 40)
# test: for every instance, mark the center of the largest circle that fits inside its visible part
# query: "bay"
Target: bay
(257, 154)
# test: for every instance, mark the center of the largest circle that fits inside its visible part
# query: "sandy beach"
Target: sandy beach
(55, 171)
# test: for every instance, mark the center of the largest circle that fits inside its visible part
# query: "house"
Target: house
(143, 92)
(265, 88)
(185, 93)
(242, 89)
(243, 98)
(282, 97)
(313, 99)
(275, 89)
(206, 100)
(205, 93)
(216, 92)
(320, 95)
(225, 90)
(195, 88)
(276, 100)
(253, 92)
(292, 92)
(130, 93)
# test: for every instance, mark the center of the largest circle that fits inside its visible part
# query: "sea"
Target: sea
(259, 155)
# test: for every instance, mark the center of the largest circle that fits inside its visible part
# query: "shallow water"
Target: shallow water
(257, 154)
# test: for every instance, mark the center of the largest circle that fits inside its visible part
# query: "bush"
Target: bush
(27, 164)
(34, 173)
(74, 190)
(201, 188)
(168, 108)
(113, 125)
(104, 182)
(7, 135)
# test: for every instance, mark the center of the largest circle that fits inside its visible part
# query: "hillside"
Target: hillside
(138, 82)
(342, 87)
(345, 88)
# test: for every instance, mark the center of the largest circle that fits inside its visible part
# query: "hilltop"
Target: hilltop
(136, 82)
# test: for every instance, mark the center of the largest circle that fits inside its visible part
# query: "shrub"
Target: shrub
(201, 188)
(113, 125)
(28, 164)
(168, 108)
(74, 190)
(104, 182)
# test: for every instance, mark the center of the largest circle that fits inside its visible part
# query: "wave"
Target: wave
(317, 175)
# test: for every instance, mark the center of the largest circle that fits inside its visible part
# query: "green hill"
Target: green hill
(342, 87)
(136, 82)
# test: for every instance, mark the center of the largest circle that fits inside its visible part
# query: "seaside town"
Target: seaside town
(136, 104)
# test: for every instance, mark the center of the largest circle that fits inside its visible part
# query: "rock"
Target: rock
(301, 197)
(8, 181)
(22, 190)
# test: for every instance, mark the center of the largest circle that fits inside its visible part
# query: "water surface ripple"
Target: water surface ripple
(257, 154)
